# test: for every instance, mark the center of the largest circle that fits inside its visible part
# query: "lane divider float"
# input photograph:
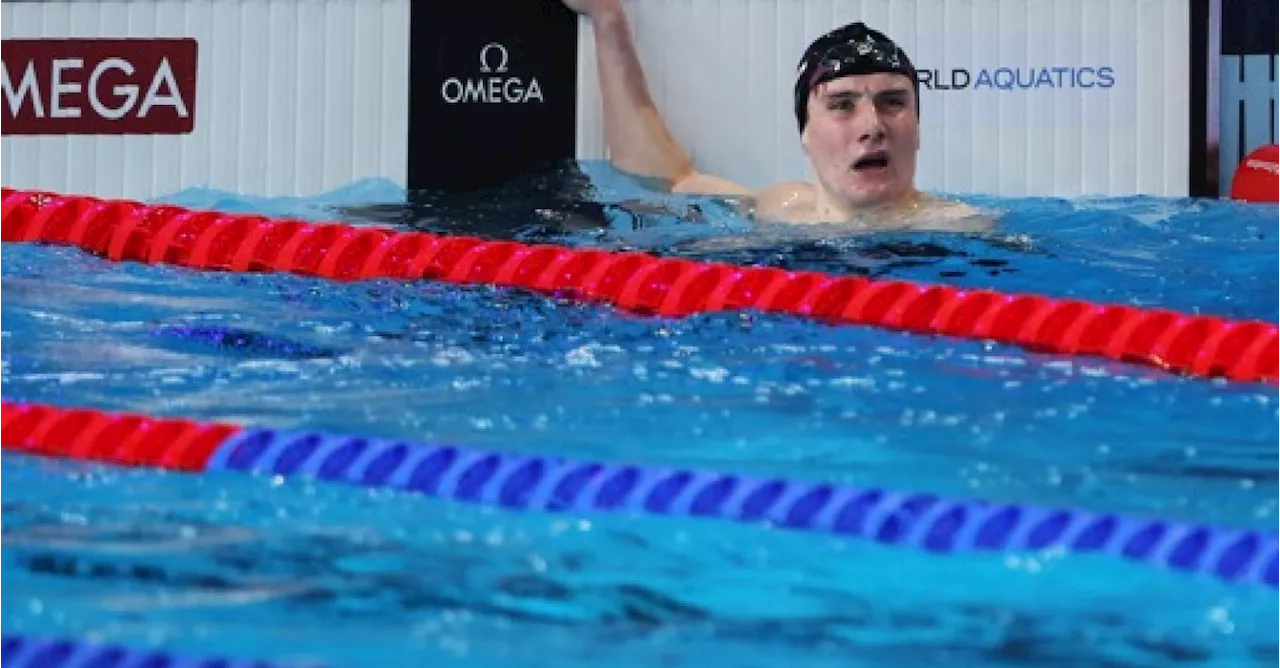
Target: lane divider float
(554, 484)
(1197, 345)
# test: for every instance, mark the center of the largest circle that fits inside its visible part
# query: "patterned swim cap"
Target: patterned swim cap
(850, 49)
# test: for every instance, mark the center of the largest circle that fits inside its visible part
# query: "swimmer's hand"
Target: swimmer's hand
(593, 8)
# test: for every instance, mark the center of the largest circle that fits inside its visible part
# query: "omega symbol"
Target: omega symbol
(502, 58)
(495, 86)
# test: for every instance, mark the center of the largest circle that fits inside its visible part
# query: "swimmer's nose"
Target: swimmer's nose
(869, 124)
(873, 134)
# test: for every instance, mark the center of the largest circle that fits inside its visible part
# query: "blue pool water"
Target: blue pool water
(295, 570)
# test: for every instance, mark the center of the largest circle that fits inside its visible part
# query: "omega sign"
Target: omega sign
(497, 86)
(99, 86)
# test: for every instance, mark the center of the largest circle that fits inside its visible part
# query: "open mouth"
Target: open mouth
(875, 160)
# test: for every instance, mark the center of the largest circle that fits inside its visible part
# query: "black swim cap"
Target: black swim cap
(851, 49)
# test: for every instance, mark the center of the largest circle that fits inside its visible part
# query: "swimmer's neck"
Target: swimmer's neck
(832, 208)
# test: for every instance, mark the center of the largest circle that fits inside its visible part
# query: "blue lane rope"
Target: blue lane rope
(918, 520)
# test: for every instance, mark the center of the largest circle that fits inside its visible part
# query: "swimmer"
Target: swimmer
(857, 107)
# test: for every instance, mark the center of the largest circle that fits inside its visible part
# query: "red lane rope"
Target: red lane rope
(132, 231)
(118, 438)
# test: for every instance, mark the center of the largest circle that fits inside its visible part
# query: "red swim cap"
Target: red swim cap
(1257, 177)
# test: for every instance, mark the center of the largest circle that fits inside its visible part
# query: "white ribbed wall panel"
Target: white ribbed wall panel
(721, 71)
(1248, 110)
(293, 97)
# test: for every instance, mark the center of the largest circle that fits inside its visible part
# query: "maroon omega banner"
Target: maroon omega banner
(99, 86)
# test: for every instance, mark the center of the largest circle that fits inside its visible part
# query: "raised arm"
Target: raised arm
(639, 141)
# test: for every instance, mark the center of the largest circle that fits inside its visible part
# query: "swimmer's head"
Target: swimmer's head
(858, 110)
(849, 50)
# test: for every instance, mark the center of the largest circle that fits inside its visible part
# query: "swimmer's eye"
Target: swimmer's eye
(895, 101)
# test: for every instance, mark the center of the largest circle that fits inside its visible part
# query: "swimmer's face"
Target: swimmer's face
(862, 137)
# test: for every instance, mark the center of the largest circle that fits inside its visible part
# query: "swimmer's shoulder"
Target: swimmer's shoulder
(790, 201)
(950, 208)
(950, 215)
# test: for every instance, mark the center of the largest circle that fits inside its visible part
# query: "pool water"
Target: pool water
(295, 570)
